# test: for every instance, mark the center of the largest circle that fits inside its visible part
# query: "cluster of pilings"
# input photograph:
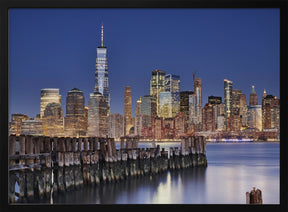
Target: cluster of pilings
(43, 165)
(254, 196)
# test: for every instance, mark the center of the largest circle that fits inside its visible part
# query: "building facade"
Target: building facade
(32, 127)
(16, 120)
(127, 110)
(227, 101)
(48, 95)
(52, 120)
(254, 119)
(172, 85)
(116, 125)
(75, 122)
(208, 118)
(165, 105)
(97, 115)
(157, 83)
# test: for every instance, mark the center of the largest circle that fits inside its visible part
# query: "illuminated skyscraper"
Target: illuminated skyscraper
(198, 111)
(97, 115)
(127, 110)
(172, 85)
(75, 124)
(254, 117)
(157, 85)
(16, 120)
(148, 110)
(48, 95)
(52, 120)
(165, 104)
(253, 97)
(116, 125)
(185, 106)
(208, 115)
(227, 101)
(101, 72)
(270, 112)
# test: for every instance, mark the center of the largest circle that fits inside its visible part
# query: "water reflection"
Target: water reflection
(232, 170)
(180, 186)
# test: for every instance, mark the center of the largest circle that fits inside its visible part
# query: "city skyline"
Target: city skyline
(130, 50)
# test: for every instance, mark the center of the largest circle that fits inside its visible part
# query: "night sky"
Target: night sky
(56, 48)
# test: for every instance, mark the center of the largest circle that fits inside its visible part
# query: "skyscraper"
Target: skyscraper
(253, 97)
(208, 123)
(198, 111)
(75, 124)
(52, 120)
(101, 72)
(185, 106)
(270, 112)
(165, 105)
(172, 85)
(157, 85)
(116, 125)
(148, 110)
(227, 101)
(127, 110)
(97, 115)
(48, 95)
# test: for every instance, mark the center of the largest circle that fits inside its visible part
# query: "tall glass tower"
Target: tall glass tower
(101, 72)
(227, 101)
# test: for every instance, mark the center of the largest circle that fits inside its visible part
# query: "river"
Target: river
(233, 169)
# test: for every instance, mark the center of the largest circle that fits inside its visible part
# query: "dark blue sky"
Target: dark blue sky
(56, 48)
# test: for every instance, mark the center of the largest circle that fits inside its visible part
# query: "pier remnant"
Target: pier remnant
(45, 165)
(254, 196)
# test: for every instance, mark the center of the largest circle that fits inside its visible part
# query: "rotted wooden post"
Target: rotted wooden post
(122, 143)
(254, 196)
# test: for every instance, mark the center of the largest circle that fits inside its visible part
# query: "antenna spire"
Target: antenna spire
(102, 35)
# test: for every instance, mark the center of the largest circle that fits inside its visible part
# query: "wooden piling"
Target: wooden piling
(254, 196)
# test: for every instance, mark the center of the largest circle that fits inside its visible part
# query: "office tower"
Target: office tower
(184, 101)
(16, 119)
(243, 110)
(172, 85)
(32, 127)
(165, 105)
(158, 128)
(254, 117)
(275, 114)
(97, 115)
(198, 106)
(180, 121)
(127, 110)
(227, 101)
(253, 97)
(214, 100)
(270, 112)
(192, 109)
(208, 119)
(74, 122)
(148, 111)
(116, 125)
(101, 72)
(157, 85)
(138, 118)
(138, 107)
(48, 95)
(184, 106)
(52, 120)
(236, 101)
